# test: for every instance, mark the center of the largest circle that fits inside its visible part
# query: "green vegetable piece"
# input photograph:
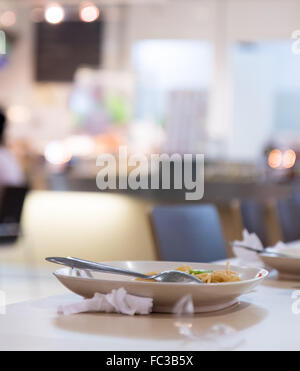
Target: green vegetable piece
(199, 272)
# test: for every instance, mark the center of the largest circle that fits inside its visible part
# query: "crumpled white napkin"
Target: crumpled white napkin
(250, 258)
(245, 256)
(291, 249)
(118, 301)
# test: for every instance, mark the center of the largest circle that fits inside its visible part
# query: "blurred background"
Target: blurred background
(81, 78)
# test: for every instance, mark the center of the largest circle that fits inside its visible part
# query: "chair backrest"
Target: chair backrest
(289, 218)
(188, 233)
(252, 212)
(11, 206)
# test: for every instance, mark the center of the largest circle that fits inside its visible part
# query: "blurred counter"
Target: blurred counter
(214, 191)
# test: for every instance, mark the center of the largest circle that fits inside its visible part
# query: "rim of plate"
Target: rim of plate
(264, 273)
(274, 257)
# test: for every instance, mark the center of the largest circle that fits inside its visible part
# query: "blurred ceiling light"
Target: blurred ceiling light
(57, 153)
(275, 159)
(8, 18)
(80, 145)
(88, 12)
(289, 159)
(54, 13)
(18, 114)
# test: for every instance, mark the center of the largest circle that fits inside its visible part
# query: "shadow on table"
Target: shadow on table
(161, 326)
(275, 281)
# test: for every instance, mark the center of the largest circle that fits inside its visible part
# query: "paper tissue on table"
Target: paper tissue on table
(118, 301)
(252, 258)
(291, 249)
(248, 257)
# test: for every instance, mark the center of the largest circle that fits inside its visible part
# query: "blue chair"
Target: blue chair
(190, 233)
(252, 212)
(289, 218)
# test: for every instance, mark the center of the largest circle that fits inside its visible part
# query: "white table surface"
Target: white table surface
(263, 320)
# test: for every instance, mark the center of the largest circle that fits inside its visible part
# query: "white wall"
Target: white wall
(222, 22)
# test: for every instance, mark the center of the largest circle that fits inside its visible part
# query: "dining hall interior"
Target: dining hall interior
(217, 80)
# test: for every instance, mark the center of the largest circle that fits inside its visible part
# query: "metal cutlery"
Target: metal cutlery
(167, 276)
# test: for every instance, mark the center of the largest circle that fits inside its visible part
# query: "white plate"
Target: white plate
(288, 268)
(206, 297)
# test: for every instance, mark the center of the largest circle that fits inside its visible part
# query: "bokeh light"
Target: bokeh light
(57, 153)
(289, 159)
(8, 18)
(275, 159)
(54, 13)
(18, 114)
(88, 12)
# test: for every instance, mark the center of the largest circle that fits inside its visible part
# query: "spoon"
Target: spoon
(167, 276)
